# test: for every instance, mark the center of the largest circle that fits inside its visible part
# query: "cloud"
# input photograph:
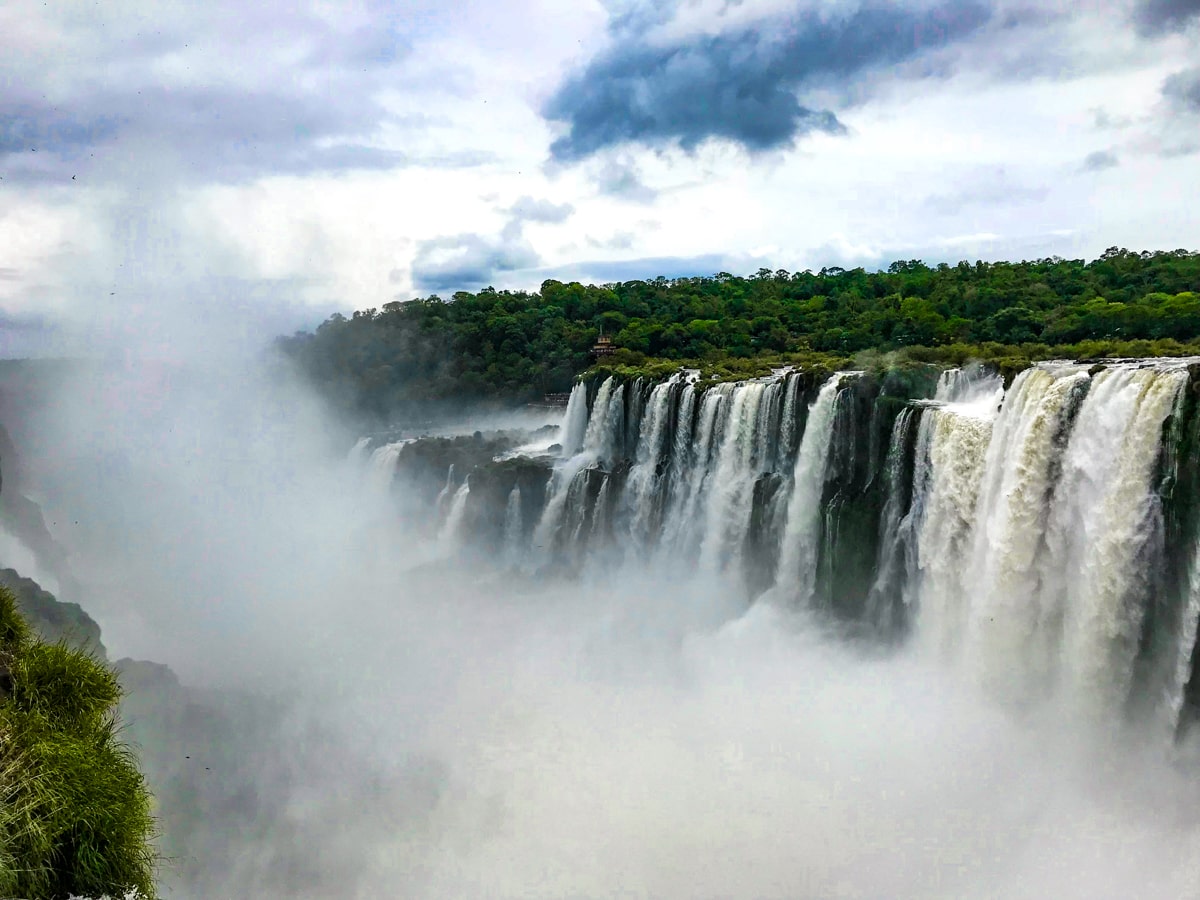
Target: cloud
(1100, 160)
(622, 240)
(987, 187)
(623, 179)
(1182, 90)
(221, 92)
(1103, 120)
(29, 129)
(201, 133)
(648, 268)
(527, 209)
(1155, 17)
(26, 334)
(741, 85)
(469, 261)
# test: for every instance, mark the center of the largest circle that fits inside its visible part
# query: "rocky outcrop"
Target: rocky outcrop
(49, 617)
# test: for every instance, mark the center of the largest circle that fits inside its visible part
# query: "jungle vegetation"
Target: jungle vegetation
(512, 346)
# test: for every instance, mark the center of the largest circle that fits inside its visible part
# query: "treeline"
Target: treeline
(515, 345)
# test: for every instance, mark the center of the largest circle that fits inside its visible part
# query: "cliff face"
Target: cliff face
(50, 618)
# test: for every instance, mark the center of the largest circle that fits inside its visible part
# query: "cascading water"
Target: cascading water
(439, 506)
(606, 426)
(973, 384)
(1018, 534)
(358, 453)
(451, 534)
(575, 422)
(682, 532)
(897, 539)
(1010, 631)
(797, 572)
(383, 465)
(1106, 603)
(643, 488)
(1184, 656)
(951, 448)
(727, 516)
(513, 524)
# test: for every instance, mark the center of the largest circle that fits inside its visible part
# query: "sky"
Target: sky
(191, 178)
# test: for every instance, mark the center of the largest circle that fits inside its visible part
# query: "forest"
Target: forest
(512, 346)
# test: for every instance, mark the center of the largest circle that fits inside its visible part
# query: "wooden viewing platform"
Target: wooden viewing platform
(603, 346)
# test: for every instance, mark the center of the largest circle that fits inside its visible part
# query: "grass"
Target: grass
(75, 813)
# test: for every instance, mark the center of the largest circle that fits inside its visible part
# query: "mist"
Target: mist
(378, 717)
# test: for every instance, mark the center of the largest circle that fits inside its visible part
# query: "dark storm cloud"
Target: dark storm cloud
(1154, 17)
(741, 85)
(1099, 161)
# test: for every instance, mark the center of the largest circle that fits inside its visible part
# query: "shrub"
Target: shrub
(75, 814)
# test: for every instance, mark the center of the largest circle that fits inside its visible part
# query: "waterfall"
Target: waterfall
(606, 426)
(948, 463)
(682, 533)
(358, 453)
(567, 492)
(566, 482)
(1106, 602)
(451, 534)
(785, 445)
(896, 533)
(801, 537)
(575, 422)
(970, 385)
(1010, 629)
(727, 516)
(513, 525)
(439, 506)
(383, 466)
(1034, 538)
(1185, 646)
(641, 497)
(1041, 528)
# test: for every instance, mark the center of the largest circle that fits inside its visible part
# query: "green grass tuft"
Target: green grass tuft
(13, 630)
(75, 813)
(68, 688)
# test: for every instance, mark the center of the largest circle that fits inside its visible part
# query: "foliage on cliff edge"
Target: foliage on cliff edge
(75, 814)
